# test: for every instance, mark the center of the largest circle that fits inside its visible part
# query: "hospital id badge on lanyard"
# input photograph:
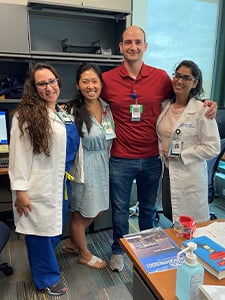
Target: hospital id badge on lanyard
(135, 109)
(176, 144)
(109, 131)
(108, 125)
(64, 117)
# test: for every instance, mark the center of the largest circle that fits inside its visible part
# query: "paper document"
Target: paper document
(215, 231)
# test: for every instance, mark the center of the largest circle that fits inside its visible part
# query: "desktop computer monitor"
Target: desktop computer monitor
(4, 137)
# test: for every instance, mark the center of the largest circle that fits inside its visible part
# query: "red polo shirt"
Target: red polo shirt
(135, 139)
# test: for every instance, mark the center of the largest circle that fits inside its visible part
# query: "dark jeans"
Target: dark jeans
(122, 173)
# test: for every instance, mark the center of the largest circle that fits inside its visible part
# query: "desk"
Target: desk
(162, 285)
(5, 193)
(3, 171)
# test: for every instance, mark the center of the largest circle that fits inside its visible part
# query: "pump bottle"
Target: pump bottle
(189, 275)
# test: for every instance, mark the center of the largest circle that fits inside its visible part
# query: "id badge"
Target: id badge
(64, 117)
(136, 111)
(175, 148)
(108, 130)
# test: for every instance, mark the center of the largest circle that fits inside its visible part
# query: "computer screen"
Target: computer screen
(4, 131)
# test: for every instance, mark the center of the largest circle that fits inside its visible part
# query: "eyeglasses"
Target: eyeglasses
(43, 85)
(178, 76)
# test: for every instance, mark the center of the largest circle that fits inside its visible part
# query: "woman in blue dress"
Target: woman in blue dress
(90, 190)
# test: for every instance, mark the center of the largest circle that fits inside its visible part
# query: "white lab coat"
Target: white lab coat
(188, 175)
(42, 177)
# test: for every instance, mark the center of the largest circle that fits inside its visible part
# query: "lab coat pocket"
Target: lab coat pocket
(189, 134)
(194, 177)
(39, 188)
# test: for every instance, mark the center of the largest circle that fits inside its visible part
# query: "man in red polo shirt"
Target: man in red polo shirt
(134, 92)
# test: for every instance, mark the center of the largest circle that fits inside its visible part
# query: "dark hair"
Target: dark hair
(197, 74)
(30, 81)
(77, 106)
(33, 112)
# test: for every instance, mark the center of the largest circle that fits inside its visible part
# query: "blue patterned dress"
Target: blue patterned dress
(92, 196)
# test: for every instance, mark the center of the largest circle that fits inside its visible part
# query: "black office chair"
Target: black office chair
(212, 169)
(4, 237)
(220, 119)
(214, 163)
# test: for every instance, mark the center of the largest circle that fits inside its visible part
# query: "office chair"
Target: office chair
(4, 237)
(134, 210)
(220, 119)
(212, 165)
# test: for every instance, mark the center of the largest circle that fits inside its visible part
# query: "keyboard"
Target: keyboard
(4, 162)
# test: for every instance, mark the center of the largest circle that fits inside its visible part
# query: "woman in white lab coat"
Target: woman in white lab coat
(43, 144)
(186, 140)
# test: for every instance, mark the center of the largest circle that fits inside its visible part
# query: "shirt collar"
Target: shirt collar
(143, 72)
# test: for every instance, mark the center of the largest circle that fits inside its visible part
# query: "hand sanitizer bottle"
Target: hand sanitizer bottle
(189, 275)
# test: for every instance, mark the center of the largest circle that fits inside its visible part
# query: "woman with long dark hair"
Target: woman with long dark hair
(90, 192)
(43, 144)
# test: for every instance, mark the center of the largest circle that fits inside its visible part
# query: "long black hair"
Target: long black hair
(77, 106)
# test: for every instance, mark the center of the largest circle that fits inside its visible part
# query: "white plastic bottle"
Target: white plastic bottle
(189, 275)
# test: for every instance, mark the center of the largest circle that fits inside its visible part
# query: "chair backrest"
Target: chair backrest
(212, 168)
(4, 235)
(220, 119)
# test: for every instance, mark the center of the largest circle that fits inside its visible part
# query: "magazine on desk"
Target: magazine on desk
(210, 254)
(155, 250)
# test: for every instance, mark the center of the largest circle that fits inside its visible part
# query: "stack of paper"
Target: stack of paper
(211, 292)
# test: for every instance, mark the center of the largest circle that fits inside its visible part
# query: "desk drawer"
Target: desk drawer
(140, 289)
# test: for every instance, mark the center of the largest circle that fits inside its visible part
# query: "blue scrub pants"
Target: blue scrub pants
(42, 259)
(41, 254)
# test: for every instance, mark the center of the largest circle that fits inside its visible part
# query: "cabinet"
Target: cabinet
(124, 5)
(67, 35)
(14, 46)
(140, 288)
(63, 33)
(13, 34)
(6, 198)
